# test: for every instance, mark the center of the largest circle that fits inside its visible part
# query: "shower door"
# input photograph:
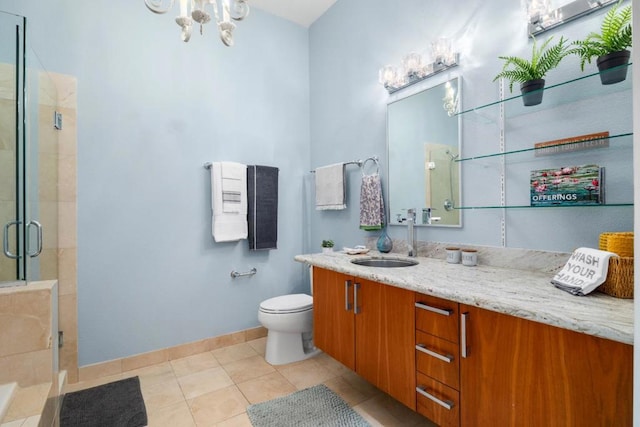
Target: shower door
(12, 149)
(28, 160)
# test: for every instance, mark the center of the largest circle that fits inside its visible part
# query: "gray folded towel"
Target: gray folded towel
(262, 204)
(331, 187)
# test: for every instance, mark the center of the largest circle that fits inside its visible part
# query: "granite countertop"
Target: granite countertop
(525, 294)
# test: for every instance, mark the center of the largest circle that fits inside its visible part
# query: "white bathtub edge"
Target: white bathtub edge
(7, 392)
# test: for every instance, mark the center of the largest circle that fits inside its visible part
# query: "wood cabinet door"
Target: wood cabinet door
(523, 373)
(385, 339)
(333, 321)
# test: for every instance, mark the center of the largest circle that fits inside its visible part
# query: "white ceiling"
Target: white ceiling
(302, 12)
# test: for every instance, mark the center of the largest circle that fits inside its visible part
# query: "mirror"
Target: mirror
(423, 143)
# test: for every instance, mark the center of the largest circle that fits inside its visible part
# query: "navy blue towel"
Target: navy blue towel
(262, 207)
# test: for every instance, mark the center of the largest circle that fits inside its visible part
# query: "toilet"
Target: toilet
(289, 320)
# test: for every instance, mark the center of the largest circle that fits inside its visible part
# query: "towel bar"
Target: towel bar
(251, 272)
(358, 162)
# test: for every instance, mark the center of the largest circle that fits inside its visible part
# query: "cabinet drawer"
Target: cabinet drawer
(436, 401)
(437, 317)
(438, 359)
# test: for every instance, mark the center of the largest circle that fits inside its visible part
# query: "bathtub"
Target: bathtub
(6, 395)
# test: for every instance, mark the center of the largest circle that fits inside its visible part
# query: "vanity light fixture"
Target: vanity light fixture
(195, 11)
(542, 17)
(415, 69)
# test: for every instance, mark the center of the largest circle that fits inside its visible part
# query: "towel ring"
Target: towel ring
(373, 159)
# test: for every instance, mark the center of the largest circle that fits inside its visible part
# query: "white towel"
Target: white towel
(585, 270)
(331, 187)
(229, 201)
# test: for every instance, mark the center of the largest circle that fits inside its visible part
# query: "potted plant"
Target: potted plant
(609, 46)
(327, 246)
(530, 73)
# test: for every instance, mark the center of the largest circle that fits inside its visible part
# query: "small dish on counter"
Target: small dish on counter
(355, 251)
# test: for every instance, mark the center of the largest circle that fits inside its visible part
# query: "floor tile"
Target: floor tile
(203, 382)
(241, 420)
(191, 364)
(344, 389)
(259, 345)
(176, 415)
(151, 375)
(82, 385)
(266, 387)
(306, 373)
(331, 364)
(214, 388)
(233, 353)
(247, 369)
(161, 395)
(217, 406)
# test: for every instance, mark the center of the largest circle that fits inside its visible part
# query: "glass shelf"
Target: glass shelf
(524, 150)
(543, 207)
(575, 89)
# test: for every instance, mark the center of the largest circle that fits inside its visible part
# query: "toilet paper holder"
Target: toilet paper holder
(251, 272)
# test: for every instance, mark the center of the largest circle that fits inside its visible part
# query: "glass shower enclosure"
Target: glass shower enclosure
(28, 160)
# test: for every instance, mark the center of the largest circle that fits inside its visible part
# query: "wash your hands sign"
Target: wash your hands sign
(585, 270)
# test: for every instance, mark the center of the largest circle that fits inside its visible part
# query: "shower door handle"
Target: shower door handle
(38, 235)
(5, 239)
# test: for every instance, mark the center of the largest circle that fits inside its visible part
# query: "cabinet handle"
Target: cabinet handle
(444, 357)
(356, 307)
(445, 404)
(347, 304)
(443, 311)
(463, 335)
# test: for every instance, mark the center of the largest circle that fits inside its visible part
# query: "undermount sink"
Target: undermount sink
(384, 262)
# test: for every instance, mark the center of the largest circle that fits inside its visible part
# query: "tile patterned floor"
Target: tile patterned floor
(214, 388)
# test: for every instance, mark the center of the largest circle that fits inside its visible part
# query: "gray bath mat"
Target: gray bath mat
(312, 407)
(119, 403)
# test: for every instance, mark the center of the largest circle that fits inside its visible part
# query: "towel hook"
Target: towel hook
(373, 159)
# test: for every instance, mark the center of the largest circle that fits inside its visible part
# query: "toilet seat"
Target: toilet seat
(285, 304)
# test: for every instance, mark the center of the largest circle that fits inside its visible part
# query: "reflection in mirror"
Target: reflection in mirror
(423, 143)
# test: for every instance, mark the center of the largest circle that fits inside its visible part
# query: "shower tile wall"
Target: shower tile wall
(66, 246)
(26, 343)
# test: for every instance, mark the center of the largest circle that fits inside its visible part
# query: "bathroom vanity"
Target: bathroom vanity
(477, 346)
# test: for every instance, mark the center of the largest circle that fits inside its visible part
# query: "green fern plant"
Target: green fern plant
(543, 59)
(615, 35)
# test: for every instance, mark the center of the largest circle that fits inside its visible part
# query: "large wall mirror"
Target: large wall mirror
(423, 143)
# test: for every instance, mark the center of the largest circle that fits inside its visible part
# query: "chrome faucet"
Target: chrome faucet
(411, 233)
(427, 216)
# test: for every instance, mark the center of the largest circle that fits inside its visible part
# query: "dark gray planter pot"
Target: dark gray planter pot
(532, 92)
(613, 67)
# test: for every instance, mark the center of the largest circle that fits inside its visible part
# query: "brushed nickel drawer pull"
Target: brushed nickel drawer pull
(463, 335)
(356, 307)
(347, 304)
(445, 358)
(444, 312)
(445, 404)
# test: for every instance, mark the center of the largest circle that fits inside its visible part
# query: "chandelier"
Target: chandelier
(195, 11)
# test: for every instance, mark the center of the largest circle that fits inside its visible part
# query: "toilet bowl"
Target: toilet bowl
(289, 320)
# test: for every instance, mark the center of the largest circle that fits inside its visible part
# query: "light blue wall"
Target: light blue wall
(151, 111)
(355, 38)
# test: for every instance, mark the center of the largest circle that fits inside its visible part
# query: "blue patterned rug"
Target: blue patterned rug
(312, 407)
